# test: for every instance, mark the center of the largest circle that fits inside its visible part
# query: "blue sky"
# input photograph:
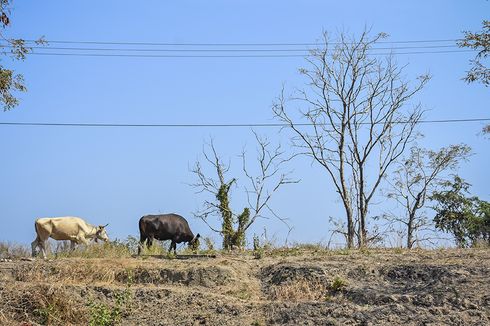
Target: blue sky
(117, 175)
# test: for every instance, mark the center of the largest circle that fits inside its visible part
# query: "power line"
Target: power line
(226, 56)
(231, 44)
(210, 125)
(220, 50)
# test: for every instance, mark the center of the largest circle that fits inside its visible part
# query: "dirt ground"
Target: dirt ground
(285, 287)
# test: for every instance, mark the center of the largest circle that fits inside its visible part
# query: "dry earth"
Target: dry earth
(286, 287)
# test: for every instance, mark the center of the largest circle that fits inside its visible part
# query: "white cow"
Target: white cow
(66, 228)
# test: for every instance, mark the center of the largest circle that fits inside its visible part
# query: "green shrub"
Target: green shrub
(258, 251)
(338, 284)
(102, 314)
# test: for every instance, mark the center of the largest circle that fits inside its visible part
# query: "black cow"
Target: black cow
(165, 227)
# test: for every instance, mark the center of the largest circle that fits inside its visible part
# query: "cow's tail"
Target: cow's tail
(143, 237)
(36, 228)
(36, 241)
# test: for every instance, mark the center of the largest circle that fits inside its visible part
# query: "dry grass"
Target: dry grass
(74, 271)
(12, 250)
(42, 304)
(300, 290)
(77, 290)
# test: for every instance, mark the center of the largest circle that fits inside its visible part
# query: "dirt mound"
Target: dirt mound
(207, 277)
(426, 274)
(285, 273)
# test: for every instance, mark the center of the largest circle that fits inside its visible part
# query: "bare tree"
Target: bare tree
(354, 122)
(259, 189)
(415, 179)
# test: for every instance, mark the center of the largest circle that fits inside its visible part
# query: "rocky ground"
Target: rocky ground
(285, 287)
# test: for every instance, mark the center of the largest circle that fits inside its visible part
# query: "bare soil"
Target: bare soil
(286, 287)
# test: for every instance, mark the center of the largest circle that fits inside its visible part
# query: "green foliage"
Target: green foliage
(232, 238)
(226, 214)
(481, 42)
(338, 284)
(257, 323)
(258, 250)
(10, 82)
(467, 218)
(48, 314)
(102, 314)
(239, 235)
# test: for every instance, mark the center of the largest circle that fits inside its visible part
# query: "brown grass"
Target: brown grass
(40, 303)
(301, 290)
(12, 250)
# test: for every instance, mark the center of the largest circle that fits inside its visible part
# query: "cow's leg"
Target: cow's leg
(43, 248)
(73, 243)
(34, 245)
(149, 243)
(143, 239)
(174, 246)
(80, 239)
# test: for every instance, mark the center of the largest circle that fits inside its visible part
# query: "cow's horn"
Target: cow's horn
(105, 225)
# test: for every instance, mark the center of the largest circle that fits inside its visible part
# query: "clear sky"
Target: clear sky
(116, 175)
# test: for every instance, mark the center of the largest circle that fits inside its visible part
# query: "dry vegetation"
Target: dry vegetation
(104, 285)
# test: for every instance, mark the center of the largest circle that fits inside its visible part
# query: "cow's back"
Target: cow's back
(59, 228)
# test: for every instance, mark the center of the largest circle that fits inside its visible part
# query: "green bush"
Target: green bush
(338, 284)
(102, 314)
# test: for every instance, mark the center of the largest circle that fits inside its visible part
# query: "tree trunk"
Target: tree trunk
(362, 227)
(410, 235)
(350, 228)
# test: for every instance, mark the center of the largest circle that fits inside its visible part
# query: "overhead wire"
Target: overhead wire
(227, 50)
(224, 55)
(230, 44)
(210, 125)
(219, 50)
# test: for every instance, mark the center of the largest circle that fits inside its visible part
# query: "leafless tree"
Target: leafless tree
(414, 181)
(259, 189)
(355, 122)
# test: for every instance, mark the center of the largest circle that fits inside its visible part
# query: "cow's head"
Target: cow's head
(194, 243)
(101, 233)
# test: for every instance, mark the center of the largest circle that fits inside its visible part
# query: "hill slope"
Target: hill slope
(290, 287)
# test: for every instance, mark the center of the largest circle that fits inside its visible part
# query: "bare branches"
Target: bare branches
(358, 109)
(416, 178)
(259, 188)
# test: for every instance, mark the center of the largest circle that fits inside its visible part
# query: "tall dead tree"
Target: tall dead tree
(259, 189)
(414, 181)
(355, 120)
